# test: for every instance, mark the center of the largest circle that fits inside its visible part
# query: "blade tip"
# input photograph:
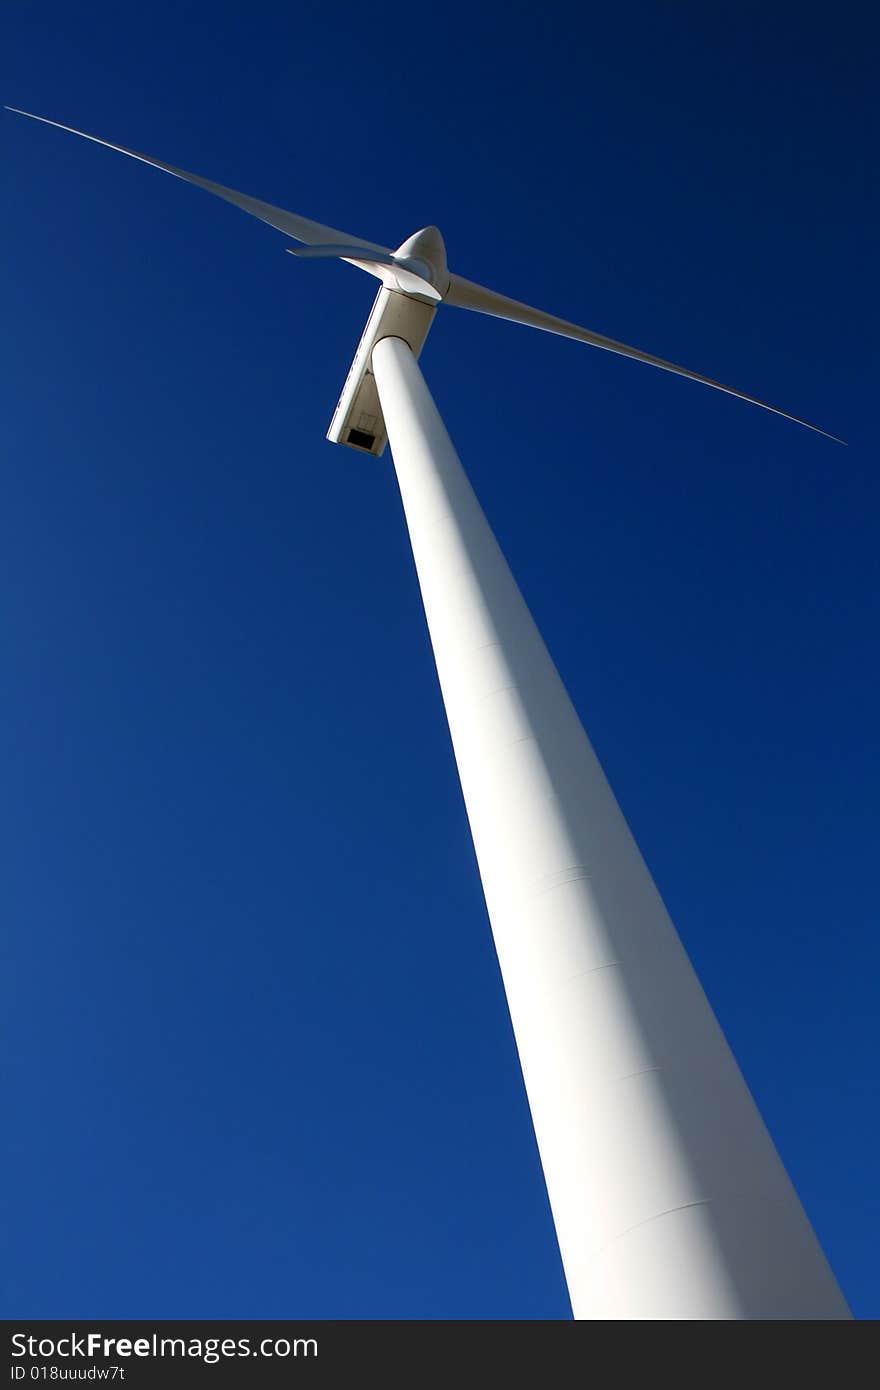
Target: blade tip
(835, 438)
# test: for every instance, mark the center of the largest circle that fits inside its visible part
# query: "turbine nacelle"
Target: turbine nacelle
(415, 279)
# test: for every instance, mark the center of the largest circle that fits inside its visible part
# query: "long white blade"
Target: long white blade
(464, 294)
(341, 252)
(300, 228)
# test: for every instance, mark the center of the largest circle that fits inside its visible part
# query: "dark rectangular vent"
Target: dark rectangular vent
(361, 439)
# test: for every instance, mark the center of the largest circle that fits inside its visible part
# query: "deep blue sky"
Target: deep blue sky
(261, 1064)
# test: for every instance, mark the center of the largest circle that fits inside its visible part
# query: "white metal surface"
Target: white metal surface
(668, 1196)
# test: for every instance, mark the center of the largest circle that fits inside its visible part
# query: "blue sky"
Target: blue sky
(261, 1064)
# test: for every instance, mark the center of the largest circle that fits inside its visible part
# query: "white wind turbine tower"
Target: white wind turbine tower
(669, 1198)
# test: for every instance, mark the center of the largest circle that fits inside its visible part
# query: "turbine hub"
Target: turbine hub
(424, 254)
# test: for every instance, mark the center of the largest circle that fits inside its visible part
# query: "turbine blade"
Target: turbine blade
(300, 228)
(406, 276)
(374, 262)
(464, 294)
(342, 252)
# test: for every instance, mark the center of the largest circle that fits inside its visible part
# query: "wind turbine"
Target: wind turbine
(668, 1196)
